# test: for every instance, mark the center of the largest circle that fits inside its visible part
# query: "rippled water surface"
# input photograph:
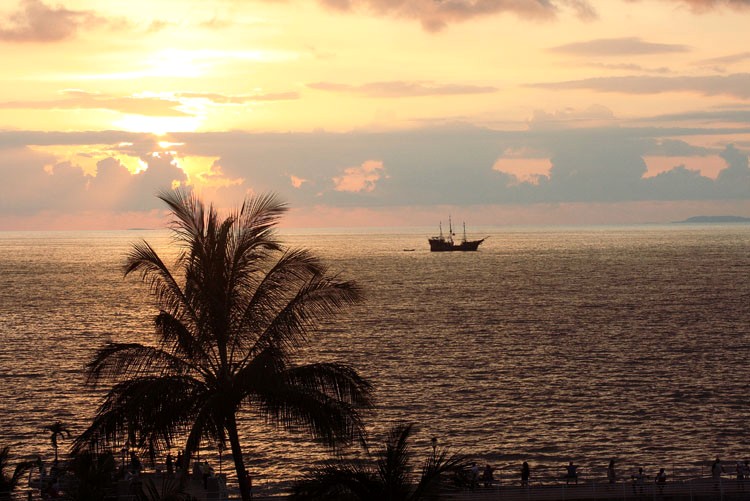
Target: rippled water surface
(546, 345)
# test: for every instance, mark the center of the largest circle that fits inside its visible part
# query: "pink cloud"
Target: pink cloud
(359, 179)
(297, 182)
(437, 14)
(36, 22)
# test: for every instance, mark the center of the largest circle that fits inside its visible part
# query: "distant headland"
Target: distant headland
(716, 219)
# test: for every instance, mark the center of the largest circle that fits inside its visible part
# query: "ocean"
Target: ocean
(547, 345)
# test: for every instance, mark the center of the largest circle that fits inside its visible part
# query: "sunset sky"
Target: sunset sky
(375, 112)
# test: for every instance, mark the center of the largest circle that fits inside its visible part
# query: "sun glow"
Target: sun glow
(158, 126)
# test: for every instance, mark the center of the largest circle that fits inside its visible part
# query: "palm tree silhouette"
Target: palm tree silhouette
(389, 476)
(8, 483)
(231, 322)
(56, 429)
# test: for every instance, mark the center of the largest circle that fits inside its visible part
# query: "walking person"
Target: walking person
(474, 476)
(661, 480)
(611, 474)
(638, 480)
(716, 470)
(487, 476)
(571, 473)
(525, 474)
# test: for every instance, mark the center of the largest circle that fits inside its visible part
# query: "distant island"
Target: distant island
(716, 219)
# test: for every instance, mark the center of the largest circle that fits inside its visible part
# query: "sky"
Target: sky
(373, 113)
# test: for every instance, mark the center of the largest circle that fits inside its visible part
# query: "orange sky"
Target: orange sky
(503, 110)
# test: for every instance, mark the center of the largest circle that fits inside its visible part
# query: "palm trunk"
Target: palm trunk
(239, 463)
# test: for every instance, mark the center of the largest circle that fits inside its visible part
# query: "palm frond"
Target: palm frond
(441, 471)
(261, 303)
(182, 343)
(338, 481)
(340, 381)
(9, 482)
(258, 218)
(134, 359)
(144, 259)
(290, 403)
(148, 409)
(393, 464)
(320, 298)
(188, 213)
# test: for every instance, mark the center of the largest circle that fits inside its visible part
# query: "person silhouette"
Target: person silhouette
(525, 474)
(638, 481)
(716, 470)
(661, 480)
(487, 476)
(611, 474)
(571, 473)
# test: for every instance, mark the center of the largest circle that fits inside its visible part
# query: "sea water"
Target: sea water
(547, 345)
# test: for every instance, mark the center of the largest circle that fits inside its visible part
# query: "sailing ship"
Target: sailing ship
(442, 243)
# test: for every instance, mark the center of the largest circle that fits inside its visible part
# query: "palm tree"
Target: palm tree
(230, 328)
(168, 490)
(389, 477)
(56, 429)
(92, 477)
(8, 483)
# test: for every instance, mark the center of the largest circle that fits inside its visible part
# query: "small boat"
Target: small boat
(442, 243)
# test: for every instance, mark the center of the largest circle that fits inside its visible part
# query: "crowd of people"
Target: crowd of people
(638, 479)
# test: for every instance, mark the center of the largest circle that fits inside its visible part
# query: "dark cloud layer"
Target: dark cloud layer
(735, 85)
(37, 21)
(147, 106)
(402, 89)
(435, 15)
(452, 165)
(629, 46)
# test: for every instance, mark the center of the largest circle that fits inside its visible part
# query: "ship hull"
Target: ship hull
(441, 245)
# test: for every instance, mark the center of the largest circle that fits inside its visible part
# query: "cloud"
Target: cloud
(630, 67)
(36, 22)
(679, 183)
(239, 99)
(49, 176)
(402, 89)
(675, 148)
(701, 116)
(435, 15)
(735, 85)
(734, 181)
(360, 179)
(592, 116)
(719, 63)
(700, 6)
(297, 182)
(630, 46)
(77, 99)
(419, 168)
